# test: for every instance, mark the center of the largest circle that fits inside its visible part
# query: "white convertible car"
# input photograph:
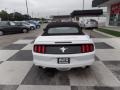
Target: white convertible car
(63, 46)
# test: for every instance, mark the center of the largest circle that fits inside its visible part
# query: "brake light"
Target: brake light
(85, 48)
(39, 48)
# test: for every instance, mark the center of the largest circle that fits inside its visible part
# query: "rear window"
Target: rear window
(63, 30)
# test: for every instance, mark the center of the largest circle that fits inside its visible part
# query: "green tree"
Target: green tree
(16, 16)
(4, 15)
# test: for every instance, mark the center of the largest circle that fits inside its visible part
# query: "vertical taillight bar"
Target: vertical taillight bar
(85, 48)
(43, 49)
(39, 48)
(35, 49)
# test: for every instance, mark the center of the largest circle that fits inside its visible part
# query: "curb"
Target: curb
(110, 29)
(105, 34)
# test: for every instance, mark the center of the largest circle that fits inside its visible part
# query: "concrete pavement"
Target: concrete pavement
(94, 34)
(17, 71)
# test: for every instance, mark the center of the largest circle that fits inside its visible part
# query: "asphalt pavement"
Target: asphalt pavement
(9, 39)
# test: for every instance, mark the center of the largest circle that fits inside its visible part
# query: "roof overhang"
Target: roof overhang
(83, 13)
(61, 16)
(104, 3)
(96, 3)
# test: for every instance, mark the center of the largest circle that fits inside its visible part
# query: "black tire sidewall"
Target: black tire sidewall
(38, 27)
(24, 31)
(32, 28)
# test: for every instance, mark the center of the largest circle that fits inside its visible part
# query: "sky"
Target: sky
(44, 8)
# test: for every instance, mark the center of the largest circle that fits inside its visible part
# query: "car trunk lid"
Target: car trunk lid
(63, 39)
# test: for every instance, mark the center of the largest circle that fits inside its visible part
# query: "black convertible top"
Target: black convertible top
(62, 24)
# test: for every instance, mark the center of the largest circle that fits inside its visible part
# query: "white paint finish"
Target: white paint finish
(28, 47)
(104, 76)
(13, 72)
(6, 54)
(49, 60)
(23, 41)
(72, 38)
(108, 54)
(43, 87)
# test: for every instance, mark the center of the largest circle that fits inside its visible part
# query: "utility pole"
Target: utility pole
(83, 21)
(27, 7)
(32, 15)
(83, 4)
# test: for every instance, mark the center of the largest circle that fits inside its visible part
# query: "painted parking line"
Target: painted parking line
(12, 73)
(6, 54)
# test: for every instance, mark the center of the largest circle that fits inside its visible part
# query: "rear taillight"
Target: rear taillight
(39, 48)
(85, 48)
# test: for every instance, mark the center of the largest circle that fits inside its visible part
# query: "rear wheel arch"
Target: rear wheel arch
(32, 27)
(25, 30)
(38, 26)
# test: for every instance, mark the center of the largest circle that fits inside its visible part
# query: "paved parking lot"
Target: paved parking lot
(9, 39)
(17, 71)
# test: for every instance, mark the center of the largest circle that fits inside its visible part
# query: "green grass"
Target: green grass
(111, 32)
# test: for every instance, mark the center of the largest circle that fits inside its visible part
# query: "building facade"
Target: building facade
(113, 10)
(62, 18)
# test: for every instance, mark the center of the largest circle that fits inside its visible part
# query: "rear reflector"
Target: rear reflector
(85, 48)
(39, 48)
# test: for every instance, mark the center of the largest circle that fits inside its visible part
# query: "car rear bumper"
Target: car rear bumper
(50, 61)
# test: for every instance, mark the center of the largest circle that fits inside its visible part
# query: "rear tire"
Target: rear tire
(32, 28)
(25, 30)
(1, 33)
(38, 27)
